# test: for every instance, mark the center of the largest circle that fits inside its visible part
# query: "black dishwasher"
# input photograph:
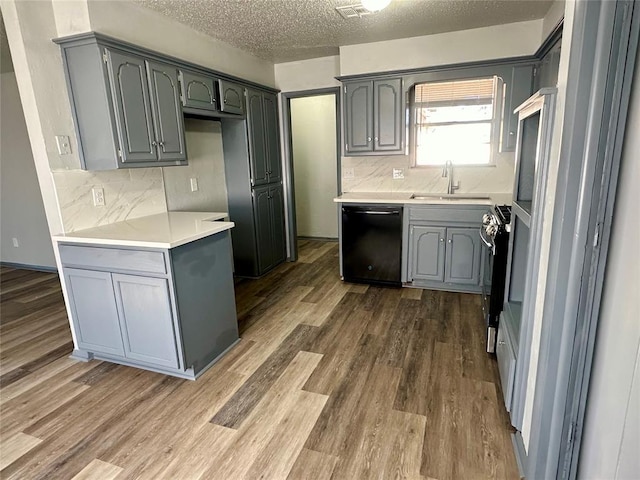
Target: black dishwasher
(372, 244)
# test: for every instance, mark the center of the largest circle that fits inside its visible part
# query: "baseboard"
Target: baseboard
(24, 266)
(519, 450)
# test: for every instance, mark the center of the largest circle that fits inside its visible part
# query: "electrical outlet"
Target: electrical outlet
(98, 197)
(398, 173)
(194, 184)
(64, 147)
(348, 173)
(15, 242)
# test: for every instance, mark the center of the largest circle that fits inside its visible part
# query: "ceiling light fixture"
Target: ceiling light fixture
(375, 5)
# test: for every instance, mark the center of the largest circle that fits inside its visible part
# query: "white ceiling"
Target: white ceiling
(287, 30)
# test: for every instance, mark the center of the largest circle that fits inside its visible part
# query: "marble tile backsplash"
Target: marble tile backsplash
(128, 193)
(375, 174)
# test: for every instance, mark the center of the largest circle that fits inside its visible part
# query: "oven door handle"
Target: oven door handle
(486, 242)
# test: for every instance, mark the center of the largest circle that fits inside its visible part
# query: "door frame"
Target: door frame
(597, 99)
(288, 179)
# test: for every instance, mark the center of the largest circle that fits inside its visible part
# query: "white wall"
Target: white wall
(611, 441)
(313, 132)
(552, 18)
(206, 164)
(499, 41)
(308, 74)
(21, 209)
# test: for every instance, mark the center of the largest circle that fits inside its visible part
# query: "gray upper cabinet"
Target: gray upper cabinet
(387, 112)
(231, 97)
(427, 253)
(521, 84)
(93, 306)
(128, 78)
(358, 108)
(144, 307)
(373, 121)
(463, 256)
(167, 113)
(257, 141)
(198, 91)
(270, 104)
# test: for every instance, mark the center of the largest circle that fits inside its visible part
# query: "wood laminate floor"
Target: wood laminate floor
(329, 381)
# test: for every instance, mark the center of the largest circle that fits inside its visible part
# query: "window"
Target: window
(457, 121)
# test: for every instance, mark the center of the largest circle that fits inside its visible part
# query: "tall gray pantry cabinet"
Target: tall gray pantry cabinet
(254, 185)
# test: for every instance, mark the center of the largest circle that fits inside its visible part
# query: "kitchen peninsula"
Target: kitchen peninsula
(154, 292)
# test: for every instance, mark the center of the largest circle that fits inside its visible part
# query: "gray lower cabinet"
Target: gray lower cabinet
(198, 91)
(463, 256)
(269, 217)
(175, 320)
(428, 252)
(444, 250)
(144, 308)
(506, 357)
(231, 97)
(373, 116)
(93, 306)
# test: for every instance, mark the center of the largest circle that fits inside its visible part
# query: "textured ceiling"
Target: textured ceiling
(287, 30)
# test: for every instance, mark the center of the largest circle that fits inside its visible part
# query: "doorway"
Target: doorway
(312, 165)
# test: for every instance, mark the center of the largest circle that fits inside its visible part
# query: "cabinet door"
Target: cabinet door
(274, 171)
(506, 363)
(359, 116)
(261, 215)
(277, 224)
(167, 112)
(93, 308)
(257, 139)
(427, 253)
(128, 80)
(231, 97)
(144, 307)
(518, 92)
(463, 256)
(198, 91)
(387, 114)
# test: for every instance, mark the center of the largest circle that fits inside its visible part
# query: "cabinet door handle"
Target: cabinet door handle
(161, 144)
(450, 241)
(501, 342)
(154, 143)
(368, 139)
(442, 239)
(376, 139)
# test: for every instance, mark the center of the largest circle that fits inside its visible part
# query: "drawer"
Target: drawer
(506, 363)
(448, 214)
(113, 259)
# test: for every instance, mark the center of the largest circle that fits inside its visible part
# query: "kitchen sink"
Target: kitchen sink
(444, 196)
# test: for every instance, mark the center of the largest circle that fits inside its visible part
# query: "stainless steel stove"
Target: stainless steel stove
(495, 237)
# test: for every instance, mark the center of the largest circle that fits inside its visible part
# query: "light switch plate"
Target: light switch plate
(348, 173)
(398, 173)
(194, 184)
(64, 147)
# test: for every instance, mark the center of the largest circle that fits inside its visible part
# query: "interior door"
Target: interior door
(167, 112)
(257, 139)
(427, 253)
(130, 94)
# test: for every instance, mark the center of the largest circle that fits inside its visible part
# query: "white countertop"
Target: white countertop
(434, 199)
(164, 230)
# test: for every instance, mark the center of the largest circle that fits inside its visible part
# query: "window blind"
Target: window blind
(480, 89)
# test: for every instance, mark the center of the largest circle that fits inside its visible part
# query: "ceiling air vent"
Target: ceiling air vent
(353, 11)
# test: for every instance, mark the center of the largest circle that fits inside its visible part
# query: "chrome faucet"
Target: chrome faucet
(447, 172)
